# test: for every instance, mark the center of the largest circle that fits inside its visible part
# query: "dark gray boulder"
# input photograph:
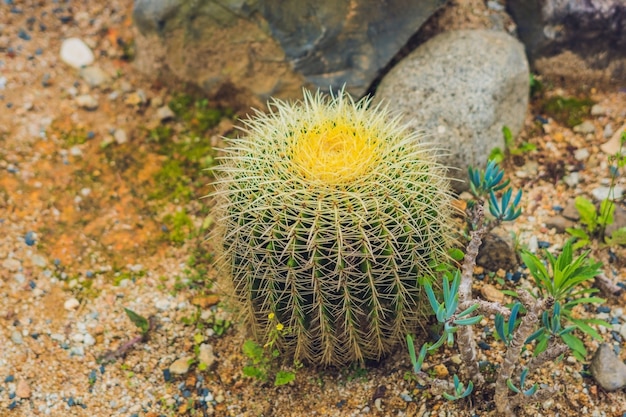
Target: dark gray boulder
(582, 40)
(274, 47)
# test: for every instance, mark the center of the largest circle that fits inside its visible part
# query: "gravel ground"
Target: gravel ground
(92, 224)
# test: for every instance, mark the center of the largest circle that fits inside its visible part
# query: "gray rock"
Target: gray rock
(570, 211)
(16, 337)
(95, 76)
(164, 113)
(461, 88)
(597, 110)
(559, 223)
(581, 154)
(87, 102)
(579, 40)
(607, 369)
(572, 179)
(608, 131)
(273, 47)
(585, 127)
(497, 251)
(76, 53)
(619, 220)
(603, 192)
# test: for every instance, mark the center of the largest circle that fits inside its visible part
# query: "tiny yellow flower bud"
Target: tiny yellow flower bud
(279, 327)
(271, 316)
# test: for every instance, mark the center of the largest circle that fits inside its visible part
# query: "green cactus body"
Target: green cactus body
(328, 213)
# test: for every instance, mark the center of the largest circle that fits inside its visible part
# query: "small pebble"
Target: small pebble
(30, 238)
(597, 110)
(585, 127)
(581, 154)
(9, 378)
(23, 389)
(165, 113)
(16, 337)
(71, 304)
(120, 136)
(76, 53)
(87, 102)
(603, 192)
(180, 366)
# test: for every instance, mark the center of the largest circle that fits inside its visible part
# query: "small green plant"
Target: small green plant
(532, 323)
(563, 282)
(262, 358)
(510, 148)
(596, 221)
(569, 111)
(141, 322)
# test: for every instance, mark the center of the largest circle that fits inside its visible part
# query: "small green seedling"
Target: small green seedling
(141, 322)
(527, 392)
(459, 390)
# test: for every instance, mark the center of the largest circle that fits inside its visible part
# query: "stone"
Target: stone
(607, 369)
(206, 355)
(263, 48)
(613, 146)
(11, 264)
(120, 136)
(16, 337)
(441, 371)
(22, 390)
(76, 53)
(71, 304)
(559, 223)
(491, 293)
(570, 211)
(461, 88)
(180, 366)
(581, 154)
(604, 192)
(89, 340)
(87, 102)
(497, 251)
(572, 179)
(585, 127)
(164, 113)
(94, 76)
(619, 220)
(574, 40)
(597, 110)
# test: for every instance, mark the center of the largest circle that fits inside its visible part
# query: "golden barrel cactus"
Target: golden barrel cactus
(328, 213)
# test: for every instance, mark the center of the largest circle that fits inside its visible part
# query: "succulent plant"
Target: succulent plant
(328, 214)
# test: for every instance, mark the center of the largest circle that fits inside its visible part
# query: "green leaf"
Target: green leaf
(456, 254)
(577, 233)
(508, 137)
(254, 372)
(284, 377)
(618, 237)
(607, 208)
(496, 155)
(252, 350)
(575, 344)
(139, 321)
(587, 211)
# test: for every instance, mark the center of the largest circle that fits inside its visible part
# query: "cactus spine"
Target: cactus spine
(328, 212)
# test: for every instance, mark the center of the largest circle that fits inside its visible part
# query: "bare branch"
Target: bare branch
(486, 307)
(553, 351)
(534, 308)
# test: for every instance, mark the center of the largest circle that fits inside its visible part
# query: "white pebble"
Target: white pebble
(76, 53)
(89, 340)
(71, 304)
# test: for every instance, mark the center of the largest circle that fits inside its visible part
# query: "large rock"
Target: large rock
(274, 47)
(574, 40)
(461, 88)
(607, 369)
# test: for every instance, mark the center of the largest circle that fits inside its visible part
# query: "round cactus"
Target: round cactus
(328, 213)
